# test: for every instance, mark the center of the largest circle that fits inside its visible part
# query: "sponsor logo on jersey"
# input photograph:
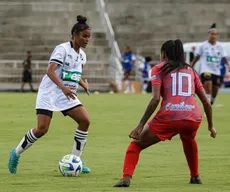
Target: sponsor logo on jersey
(66, 64)
(179, 107)
(72, 76)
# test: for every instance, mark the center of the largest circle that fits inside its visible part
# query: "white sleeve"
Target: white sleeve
(223, 52)
(141, 66)
(133, 57)
(199, 51)
(58, 55)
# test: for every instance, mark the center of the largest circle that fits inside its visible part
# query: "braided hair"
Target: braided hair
(175, 53)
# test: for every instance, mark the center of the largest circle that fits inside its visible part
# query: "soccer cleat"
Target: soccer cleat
(85, 169)
(123, 183)
(13, 162)
(195, 180)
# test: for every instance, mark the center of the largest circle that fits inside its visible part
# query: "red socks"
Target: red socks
(131, 159)
(133, 152)
(191, 153)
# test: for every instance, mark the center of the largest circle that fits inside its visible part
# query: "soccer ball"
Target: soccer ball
(70, 165)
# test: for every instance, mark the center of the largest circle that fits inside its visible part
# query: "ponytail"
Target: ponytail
(175, 53)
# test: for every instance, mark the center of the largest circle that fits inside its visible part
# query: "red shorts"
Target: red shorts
(166, 130)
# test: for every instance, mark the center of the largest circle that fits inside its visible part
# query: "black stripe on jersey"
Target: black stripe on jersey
(56, 61)
(71, 44)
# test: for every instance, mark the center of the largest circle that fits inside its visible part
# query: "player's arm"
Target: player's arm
(198, 53)
(152, 104)
(133, 60)
(196, 58)
(53, 76)
(148, 112)
(227, 63)
(84, 85)
(208, 110)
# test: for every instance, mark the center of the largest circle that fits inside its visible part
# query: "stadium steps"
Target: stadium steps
(148, 23)
(40, 26)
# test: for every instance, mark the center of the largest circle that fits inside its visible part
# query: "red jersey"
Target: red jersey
(178, 90)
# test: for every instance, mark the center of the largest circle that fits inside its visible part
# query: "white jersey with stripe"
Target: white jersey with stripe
(210, 57)
(69, 70)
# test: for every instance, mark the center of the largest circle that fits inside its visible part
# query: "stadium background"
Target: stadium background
(143, 25)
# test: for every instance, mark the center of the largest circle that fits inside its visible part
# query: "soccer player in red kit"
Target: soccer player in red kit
(177, 83)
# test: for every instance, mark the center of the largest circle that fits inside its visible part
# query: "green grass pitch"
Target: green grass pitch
(162, 168)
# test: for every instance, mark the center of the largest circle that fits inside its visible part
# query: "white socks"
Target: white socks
(26, 142)
(79, 142)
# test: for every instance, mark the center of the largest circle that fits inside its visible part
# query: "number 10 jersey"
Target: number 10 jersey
(178, 90)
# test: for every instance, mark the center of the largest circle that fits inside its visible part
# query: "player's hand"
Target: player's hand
(86, 87)
(213, 132)
(69, 93)
(135, 133)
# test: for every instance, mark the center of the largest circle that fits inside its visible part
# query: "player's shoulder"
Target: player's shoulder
(66, 45)
(204, 44)
(219, 44)
(158, 66)
(63, 46)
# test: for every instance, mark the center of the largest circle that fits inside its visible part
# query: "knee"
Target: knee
(84, 124)
(134, 147)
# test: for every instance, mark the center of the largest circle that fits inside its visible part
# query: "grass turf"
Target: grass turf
(161, 168)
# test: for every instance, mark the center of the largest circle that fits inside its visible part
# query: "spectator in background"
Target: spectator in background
(27, 72)
(145, 69)
(223, 71)
(128, 60)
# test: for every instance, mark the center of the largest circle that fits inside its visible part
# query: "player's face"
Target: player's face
(127, 50)
(163, 56)
(83, 38)
(212, 36)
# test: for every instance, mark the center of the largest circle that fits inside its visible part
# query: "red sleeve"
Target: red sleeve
(156, 76)
(198, 84)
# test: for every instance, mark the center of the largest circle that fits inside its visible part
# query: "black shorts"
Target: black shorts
(27, 76)
(221, 80)
(50, 113)
(210, 77)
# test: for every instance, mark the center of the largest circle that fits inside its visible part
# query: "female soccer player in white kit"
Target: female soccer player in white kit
(57, 92)
(210, 53)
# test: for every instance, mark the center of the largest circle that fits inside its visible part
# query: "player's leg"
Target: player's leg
(144, 86)
(190, 149)
(206, 79)
(22, 86)
(31, 87)
(80, 115)
(131, 83)
(127, 81)
(147, 138)
(216, 82)
(43, 122)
